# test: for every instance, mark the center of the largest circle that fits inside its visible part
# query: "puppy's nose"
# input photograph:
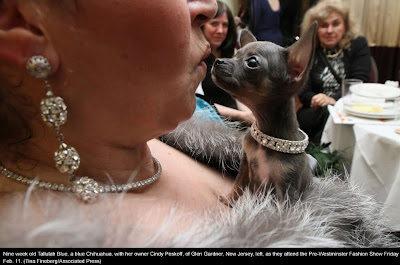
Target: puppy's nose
(220, 61)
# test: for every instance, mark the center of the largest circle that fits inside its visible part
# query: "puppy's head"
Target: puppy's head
(263, 72)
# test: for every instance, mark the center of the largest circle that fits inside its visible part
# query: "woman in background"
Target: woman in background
(340, 53)
(222, 36)
(243, 19)
(220, 32)
(266, 21)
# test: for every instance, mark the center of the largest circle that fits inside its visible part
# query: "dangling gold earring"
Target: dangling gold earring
(54, 114)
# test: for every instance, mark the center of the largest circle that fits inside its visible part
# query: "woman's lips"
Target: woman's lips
(220, 39)
(206, 54)
(204, 66)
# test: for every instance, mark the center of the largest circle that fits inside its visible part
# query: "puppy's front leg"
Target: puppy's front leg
(242, 180)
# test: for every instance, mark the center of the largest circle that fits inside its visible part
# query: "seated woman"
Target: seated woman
(221, 33)
(341, 53)
(81, 105)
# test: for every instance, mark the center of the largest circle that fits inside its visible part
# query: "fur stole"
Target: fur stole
(331, 213)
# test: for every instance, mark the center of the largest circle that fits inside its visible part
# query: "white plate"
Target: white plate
(385, 114)
(375, 90)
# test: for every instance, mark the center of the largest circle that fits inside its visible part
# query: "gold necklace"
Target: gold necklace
(85, 188)
(333, 55)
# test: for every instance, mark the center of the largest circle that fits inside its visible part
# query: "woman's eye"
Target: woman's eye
(252, 62)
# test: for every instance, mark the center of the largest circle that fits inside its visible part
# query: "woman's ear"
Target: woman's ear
(20, 39)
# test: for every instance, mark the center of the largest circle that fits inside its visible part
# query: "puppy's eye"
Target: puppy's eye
(252, 62)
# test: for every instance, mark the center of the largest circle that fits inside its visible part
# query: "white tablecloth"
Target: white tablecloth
(341, 137)
(376, 167)
(373, 148)
(339, 129)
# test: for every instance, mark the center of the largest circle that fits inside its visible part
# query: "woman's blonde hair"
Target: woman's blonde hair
(322, 10)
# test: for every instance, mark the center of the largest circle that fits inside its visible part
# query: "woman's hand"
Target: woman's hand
(244, 115)
(321, 100)
(247, 114)
(247, 117)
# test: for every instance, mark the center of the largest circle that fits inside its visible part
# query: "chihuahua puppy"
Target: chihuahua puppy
(266, 77)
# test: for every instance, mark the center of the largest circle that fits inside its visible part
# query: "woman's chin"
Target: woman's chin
(188, 113)
(330, 44)
(183, 115)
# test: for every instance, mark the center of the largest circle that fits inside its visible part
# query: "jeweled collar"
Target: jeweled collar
(280, 145)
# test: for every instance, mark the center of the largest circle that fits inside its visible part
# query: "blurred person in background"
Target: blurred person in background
(243, 19)
(341, 52)
(266, 21)
(222, 35)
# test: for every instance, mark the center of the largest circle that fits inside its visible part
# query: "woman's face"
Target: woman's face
(129, 67)
(331, 30)
(216, 30)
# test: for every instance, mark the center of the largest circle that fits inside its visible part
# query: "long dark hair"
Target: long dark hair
(227, 48)
(15, 112)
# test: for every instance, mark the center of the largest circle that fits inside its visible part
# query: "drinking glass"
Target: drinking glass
(346, 90)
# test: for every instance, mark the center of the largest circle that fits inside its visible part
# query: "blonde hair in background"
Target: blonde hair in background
(322, 10)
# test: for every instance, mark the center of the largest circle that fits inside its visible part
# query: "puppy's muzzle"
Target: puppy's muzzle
(220, 61)
(222, 74)
(222, 67)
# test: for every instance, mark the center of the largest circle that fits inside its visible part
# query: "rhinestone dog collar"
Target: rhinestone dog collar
(280, 145)
(85, 188)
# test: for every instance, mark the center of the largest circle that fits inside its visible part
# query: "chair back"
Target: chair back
(374, 73)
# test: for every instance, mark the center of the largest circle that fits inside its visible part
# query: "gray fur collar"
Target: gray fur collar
(331, 213)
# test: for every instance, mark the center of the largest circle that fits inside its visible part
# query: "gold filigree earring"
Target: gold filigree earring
(54, 114)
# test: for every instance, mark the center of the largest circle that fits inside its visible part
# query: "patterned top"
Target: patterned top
(330, 86)
(354, 62)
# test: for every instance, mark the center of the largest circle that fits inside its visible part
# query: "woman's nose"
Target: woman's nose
(202, 11)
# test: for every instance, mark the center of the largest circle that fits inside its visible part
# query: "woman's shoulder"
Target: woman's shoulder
(152, 216)
(185, 189)
(359, 50)
(359, 42)
(180, 168)
(49, 219)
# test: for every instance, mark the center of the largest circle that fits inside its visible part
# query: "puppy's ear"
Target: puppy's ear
(301, 55)
(246, 37)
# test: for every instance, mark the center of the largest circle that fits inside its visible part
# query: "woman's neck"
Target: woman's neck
(332, 52)
(216, 52)
(324, 47)
(104, 163)
(274, 4)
